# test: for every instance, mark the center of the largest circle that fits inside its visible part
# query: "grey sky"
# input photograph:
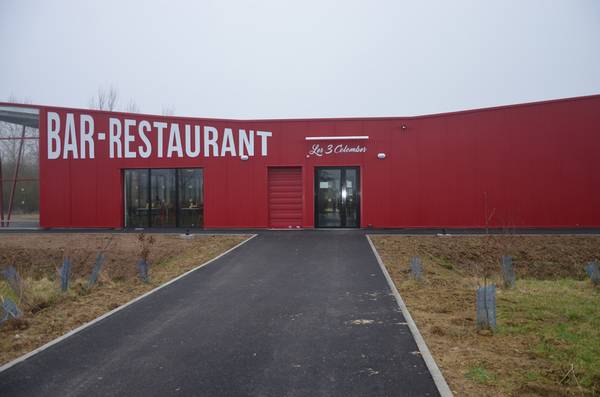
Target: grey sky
(323, 58)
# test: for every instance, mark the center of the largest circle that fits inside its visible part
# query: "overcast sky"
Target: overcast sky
(278, 59)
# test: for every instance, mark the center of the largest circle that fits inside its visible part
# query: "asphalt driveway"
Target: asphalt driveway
(291, 313)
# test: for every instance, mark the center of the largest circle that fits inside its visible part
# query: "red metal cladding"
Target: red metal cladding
(530, 165)
(285, 197)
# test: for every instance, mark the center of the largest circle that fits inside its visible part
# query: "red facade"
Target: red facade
(530, 165)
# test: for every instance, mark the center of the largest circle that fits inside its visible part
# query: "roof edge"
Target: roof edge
(353, 118)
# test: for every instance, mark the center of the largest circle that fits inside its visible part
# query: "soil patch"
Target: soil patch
(49, 313)
(547, 342)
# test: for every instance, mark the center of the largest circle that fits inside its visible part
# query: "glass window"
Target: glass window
(162, 193)
(191, 203)
(137, 205)
(19, 145)
(164, 198)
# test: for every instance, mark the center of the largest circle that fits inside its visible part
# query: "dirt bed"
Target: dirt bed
(49, 313)
(540, 257)
(547, 341)
(41, 255)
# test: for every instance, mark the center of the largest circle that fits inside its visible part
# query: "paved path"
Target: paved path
(298, 313)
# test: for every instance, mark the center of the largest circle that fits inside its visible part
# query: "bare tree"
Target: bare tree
(168, 111)
(98, 101)
(132, 107)
(14, 99)
(105, 100)
(111, 99)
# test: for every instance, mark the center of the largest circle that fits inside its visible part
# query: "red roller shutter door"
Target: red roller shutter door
(285, 197)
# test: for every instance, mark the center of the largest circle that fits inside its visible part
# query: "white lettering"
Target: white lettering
(246, 142)
(70, 139)
(211, 142)
(318, 150)
(129, 154)
(114, 138)
(160, 130)
(263, 141)
(53, 136)
(227, 145)
(175, 141)
(76, 136)
(188, 141)
(143, 128)
(86, 133)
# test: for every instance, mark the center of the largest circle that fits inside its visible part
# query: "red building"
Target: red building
(527, 165)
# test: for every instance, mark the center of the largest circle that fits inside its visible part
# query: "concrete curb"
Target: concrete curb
(110, 313)
(438, 378)
(487, 235)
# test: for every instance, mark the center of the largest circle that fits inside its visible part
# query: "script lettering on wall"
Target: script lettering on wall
(330, 149)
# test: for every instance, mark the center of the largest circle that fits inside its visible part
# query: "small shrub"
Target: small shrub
(143, 264)
(145, 245)
(41, 294)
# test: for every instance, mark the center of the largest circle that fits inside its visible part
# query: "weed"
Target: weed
(532, 376)
(478, 373)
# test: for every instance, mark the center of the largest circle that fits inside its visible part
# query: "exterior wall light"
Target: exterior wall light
(244, 157)
(403, 127)
(380, 156)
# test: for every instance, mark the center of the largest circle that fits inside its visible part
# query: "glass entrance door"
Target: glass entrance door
(337, 197)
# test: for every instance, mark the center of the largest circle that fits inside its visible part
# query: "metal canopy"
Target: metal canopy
(28, 117)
